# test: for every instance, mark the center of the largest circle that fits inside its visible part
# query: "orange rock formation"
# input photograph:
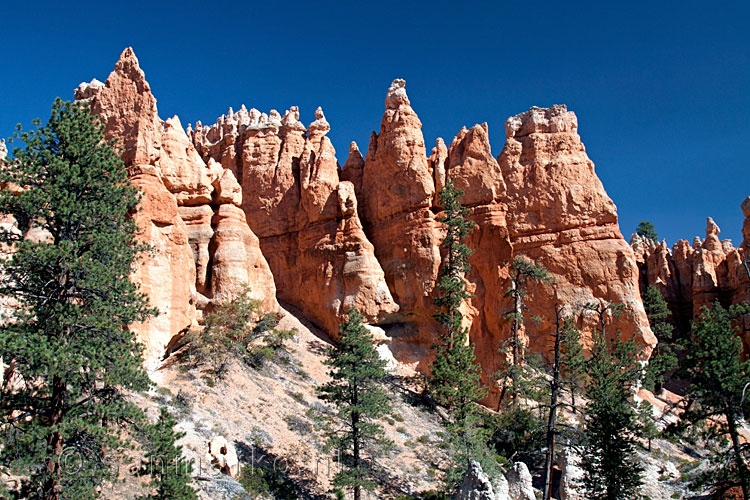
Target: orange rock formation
(259, 199)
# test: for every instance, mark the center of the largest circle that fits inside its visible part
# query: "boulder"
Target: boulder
(476, 485)
(519, 482)
(223, 455)
(571, 475)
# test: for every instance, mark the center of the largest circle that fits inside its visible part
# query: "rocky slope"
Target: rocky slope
(259, 199)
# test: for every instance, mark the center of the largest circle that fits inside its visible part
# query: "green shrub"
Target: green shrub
(260, 481)
(238, 329)
(520, 434)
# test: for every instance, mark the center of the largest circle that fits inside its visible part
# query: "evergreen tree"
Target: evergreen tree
(572, 361)
(647, 230)
(451, 278)
(455, 374)
(357, 374)
(663, 359)
(718, 375)
(611, 469)
(646, 427)
(565, 375)
(170, 474)
(69, 339)
(522, 272)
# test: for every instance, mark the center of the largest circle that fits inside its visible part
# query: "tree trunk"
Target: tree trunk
(517, 310)
(55, 441)
(734, 434)
(552, 420)
(355, 441)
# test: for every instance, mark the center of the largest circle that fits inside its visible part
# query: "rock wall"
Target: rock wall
(305, 217)
(560, 215)
(259, 199)
(472, 168)
(202, 250)
(398, 196)
(691, 276)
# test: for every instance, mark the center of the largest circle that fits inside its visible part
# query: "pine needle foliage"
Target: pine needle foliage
(611, 468)
(455, 375)
(451, 278)
(647, 230)
(170, 474)
(68, 340)
(237, 330)
(515, 374)
(663, 359)
(356, 390)
(718, 390)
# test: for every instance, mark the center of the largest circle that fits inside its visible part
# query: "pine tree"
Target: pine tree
(718, 375)
(566, 373)
(357, 374)
(455, 375)
(451, 278)
(663, 359)
(611, 469)
(572, 361)
(522, 273)
(646, 427)
(170, 474)
(69, 339)
(647, 230)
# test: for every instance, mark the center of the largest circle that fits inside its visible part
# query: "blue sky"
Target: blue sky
(661, 89)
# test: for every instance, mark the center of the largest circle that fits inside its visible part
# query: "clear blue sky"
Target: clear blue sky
(661, 89)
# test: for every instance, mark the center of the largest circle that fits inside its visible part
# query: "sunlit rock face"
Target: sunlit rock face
(260, 200)
(560, 215)
(691, 276)
(305, 217)
(186, 213)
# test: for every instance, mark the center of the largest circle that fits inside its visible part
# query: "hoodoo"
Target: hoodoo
(260, 200)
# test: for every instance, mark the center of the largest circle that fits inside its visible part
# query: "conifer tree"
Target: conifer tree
(646, 427)
(565, 374)
(69, 339)
(718, 375)
(170, 474)
(663, 359)
(455, 374)
(572, 361)
(237, 329)
(611, 469)
(647, 230)
(522, 273)
(357, 374)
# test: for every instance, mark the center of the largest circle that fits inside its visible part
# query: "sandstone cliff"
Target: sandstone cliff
(560, 215)
(259, 199)
(202, 249)
(305, 217)
(691, 276)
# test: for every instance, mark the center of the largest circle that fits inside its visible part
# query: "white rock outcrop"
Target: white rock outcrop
(222, 454)
(519, 482)
(478, 486)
